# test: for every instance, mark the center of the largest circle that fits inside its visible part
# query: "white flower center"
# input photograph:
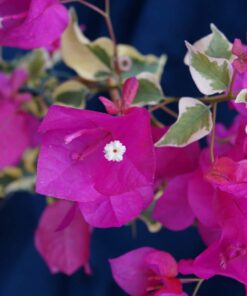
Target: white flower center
(114, 151)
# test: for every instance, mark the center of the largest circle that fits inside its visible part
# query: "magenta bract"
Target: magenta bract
(147, 271)
(105, 163)
(65, 249)
(17, 128)
(227, 255)
(31, 24)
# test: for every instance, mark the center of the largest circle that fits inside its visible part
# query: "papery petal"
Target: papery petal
(240, 65)
(130, 269)
(209, 234)
(66, 250)
(172, 161)
(14, 132)
(78, 169)
(116, 211)
(162, 263)
(173, 209)
(227, 255)
(110, 107)
(43, 22)
(229, 176)
(129, 91)
(237, 48)
(201, 199)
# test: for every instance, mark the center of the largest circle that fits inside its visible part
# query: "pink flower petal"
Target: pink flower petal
(35, 23)
(201, 199)
(229, 176)
(78, 169)
(68, 249)
(129, 91)
(145, 269)
(110, 107)
(172, 161)
(237, 48)
(173, 209)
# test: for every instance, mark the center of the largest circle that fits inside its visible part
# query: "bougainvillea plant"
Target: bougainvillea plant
(100, 169)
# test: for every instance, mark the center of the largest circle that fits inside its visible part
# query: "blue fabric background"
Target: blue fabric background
(153, 27)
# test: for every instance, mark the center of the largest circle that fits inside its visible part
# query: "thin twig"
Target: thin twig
(213, 133)
(106, 15)
(190, 280)
(198, 286)
(169, 111)
(107, 7)
(88, 4)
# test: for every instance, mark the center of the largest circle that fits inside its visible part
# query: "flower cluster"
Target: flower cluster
(108, 169)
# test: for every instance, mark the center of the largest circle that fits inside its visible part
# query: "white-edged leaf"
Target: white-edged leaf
(194, 122)
(90, 60)
(149, 91)
(215, 45)
(139, 63)
(219, 46)
(242, 96)
(71, 93)
(210, 75)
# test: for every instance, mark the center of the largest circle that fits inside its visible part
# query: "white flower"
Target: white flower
(114, 151)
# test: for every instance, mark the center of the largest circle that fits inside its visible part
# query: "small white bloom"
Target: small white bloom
(114, 151)
(246, 129)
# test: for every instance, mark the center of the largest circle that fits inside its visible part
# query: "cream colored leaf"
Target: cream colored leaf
(77, 54)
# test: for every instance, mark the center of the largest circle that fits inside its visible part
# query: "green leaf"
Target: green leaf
(102, 55)
(218, 75)
(85, 57)
(211, 75)
(141, 63)
(71, 93)
(219, 46)
(37, 63)
(139, 67)
(193, 123)
(149, 92)
(242, 96)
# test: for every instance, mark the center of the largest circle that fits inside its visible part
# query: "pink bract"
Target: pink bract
(31, 24)
(172, 161)
(129, 92)
(227, 255)
(65, 249)
(173, 209)
(229, 176)
(72, 164)
(240, 51)
(17, 128)
(174, 166)
(147, 271)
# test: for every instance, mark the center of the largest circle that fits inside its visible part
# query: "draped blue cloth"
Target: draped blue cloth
(157, 27)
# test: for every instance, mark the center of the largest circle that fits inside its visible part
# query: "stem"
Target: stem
(90, 5)
(213, 133)
(197, 287)
(106, 15)
(190, 280)
(169, 111)
(114, 93)
(156, 122)
(165, 102)
(107, 7)
(232, 81)
(209, 100)
(112, 36)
